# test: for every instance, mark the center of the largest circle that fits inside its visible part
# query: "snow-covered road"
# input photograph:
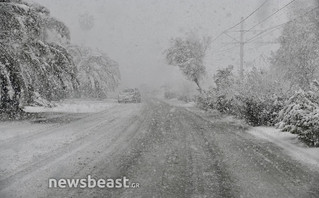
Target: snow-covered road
(168, 150)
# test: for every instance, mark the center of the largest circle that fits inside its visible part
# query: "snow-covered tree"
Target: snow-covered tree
(188, 54)
(97, 73)
(300, 116)
(224, 79)
(29, 61)
(256, 98)
(297, 59)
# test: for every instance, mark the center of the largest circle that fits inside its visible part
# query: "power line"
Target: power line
(219, 35)
(273, 28)
(262, 33)
(265, 19)
(226, 50)
(231, 37)
(244, 19)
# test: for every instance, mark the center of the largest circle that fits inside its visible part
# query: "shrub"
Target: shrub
(170, 95)
(256, 98)
(261, 112)
(185, 98)
(300, 116)
(206, 100)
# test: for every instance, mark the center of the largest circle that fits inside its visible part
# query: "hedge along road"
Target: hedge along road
(168, 150)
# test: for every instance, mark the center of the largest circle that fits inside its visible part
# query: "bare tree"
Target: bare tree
(188, 54)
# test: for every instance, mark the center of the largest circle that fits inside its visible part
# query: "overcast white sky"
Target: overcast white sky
(136, 32)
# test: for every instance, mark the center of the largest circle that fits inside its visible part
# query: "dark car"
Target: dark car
(129, 95)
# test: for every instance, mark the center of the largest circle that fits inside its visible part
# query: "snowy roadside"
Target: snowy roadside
(179, 103)
(27, 145)
(75, 106)
(63, 112)
(210, 115)
(290, 143)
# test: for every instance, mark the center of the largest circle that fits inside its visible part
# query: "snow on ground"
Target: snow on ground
(179, 103)
(290, 143)
(76, 106)
(16, 129)
(24, 142)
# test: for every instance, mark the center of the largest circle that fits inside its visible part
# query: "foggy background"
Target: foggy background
(66, 113)
(135, 33)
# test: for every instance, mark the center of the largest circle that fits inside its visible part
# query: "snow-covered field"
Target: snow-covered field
(290, 143)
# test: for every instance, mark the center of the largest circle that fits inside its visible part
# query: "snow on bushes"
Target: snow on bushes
(260, 111)
(256, 98)
(260, 101)
(300, 116)
(206, 100)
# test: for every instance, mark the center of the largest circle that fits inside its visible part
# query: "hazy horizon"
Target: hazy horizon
(136, 33)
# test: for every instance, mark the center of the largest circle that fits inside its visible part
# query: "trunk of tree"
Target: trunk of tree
(198, 85)
(9, 106)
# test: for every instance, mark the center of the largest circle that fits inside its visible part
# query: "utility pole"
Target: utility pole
(242, 43)
(241, 52)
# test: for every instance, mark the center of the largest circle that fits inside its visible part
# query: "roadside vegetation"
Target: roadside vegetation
(285, 95)
(97, 73)
(188, 54)
(38, 64)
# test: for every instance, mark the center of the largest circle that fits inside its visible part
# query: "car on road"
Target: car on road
(129, 96)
